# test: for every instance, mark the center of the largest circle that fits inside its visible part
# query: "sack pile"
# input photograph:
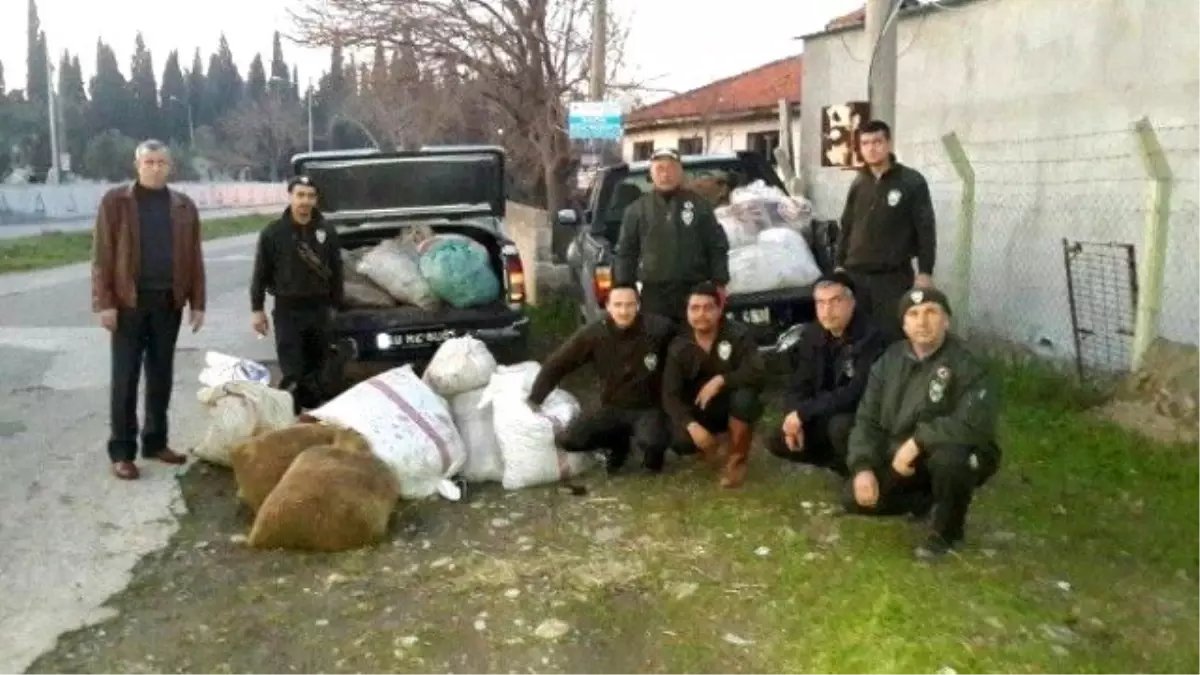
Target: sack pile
(422, 270)
(767, 232)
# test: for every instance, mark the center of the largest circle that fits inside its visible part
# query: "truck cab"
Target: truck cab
(774, 316)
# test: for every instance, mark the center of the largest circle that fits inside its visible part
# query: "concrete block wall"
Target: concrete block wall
(39, 203)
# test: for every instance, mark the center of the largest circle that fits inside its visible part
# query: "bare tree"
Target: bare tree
(267, 128)
(525, 59)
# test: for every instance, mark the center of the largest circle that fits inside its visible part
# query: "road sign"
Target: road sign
(588, 120)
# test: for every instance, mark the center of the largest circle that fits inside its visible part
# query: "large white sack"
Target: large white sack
(459, 365)
(484, 463)
(238, 411)
(394, 266)
(526, 437)
(221, 368)
(780, 259)
(409, 427)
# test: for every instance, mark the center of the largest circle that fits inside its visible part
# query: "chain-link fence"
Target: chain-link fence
(1044, 240)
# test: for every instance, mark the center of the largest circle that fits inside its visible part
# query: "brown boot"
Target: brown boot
(740, 436)
(125, 470)
(168, 456)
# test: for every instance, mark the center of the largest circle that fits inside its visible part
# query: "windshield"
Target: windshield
(714, 180)
(469, 182)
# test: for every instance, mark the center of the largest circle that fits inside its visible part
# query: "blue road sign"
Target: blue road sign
(599, 120)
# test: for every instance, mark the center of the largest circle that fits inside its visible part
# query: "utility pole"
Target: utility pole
(599, 49)
(880, 28)
(310, 106)
(53, 175)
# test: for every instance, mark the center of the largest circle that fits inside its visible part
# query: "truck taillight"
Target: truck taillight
(514, 272)
(602, 284)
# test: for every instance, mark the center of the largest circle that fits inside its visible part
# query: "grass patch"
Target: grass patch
(1081, 557)
(55, 249)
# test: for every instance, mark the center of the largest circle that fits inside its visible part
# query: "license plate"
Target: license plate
(760, 316)
(432, 337)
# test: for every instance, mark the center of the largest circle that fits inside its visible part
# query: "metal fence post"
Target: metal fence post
(1154, 241)
(964, 231)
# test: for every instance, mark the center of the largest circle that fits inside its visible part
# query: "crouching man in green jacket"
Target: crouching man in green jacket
(924, 434)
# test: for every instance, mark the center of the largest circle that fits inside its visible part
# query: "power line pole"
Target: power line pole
(310, 115)
(53, 175)
(599, 49)
(880, 28)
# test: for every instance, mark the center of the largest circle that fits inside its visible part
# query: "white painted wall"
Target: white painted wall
(33, 203)
(1042, 93)
(726, 137)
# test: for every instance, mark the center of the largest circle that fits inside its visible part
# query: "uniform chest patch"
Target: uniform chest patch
(689, 213)
(848, 369)
(321, 236)
(893, 197)
(937, 385)
(651, 361)
(724, 350)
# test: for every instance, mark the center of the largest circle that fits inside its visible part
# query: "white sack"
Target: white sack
(459, 365)
(757, 207)
(484, 462)
(526, 437)
(780, 259)
(238, 411)
(393, 266)
(408, 426)
(221, 368)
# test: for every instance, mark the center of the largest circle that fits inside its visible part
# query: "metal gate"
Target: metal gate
(1102, 292)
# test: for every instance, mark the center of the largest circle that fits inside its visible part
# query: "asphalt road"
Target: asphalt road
(70, 533)
(28, 229)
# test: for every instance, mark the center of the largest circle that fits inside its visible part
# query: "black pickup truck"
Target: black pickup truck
(774, 316)
(372, 195)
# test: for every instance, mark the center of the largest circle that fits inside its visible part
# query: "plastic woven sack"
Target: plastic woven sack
(780, 259)
(393, 266)
(757, 207)
(459, 271)
(238, 411)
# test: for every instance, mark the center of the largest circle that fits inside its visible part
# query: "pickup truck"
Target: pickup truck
(774, 317)
(370, 195)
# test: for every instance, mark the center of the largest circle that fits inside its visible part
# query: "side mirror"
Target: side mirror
(567, 217)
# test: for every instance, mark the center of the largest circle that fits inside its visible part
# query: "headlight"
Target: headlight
(789, 337)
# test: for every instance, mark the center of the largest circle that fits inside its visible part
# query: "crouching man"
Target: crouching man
(712, 383)
(832, 361)
(627, 349)
(924, 436)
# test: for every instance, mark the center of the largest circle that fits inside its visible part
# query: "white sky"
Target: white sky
(674, 44)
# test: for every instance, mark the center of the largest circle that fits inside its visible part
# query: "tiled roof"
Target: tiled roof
(751, 91)
(846, 20)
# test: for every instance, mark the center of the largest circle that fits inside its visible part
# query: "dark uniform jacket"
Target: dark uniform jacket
(947, 399)
(283, 268)
(629, 362)
(887, 222)
(734, 355)
(671, 238)
(831, 373)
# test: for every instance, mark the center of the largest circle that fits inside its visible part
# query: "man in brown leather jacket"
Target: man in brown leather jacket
(147, 264)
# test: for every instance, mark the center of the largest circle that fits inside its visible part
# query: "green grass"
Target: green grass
(55, 249)
(1081, 557)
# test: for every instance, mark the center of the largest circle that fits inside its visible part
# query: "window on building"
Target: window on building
(691, 146)
(642, 150)
(763, 142)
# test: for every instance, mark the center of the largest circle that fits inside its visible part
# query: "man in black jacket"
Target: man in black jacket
(832, 360)
(299, 262)
(627, 349)
(670, 241)
(888, 220)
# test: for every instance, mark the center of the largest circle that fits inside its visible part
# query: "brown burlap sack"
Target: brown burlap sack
(330, 499)
(259, 463)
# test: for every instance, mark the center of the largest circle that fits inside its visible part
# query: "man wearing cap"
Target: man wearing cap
(670, 241)
(887, 221)
(924, 436)
(832, 360)
(299, 262)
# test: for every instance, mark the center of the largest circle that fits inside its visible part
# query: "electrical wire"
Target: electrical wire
(887, 25)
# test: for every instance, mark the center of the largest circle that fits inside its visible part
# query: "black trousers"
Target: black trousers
(742, 404)
(303, 339)
(945, 479)
(880, 294)
(667, 299)
(621, 431)
(825, 443)
(144, 336)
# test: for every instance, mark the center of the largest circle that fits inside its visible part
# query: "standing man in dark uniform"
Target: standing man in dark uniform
(627, 349)
(670, 241)
(712, 383)
(299, 262)
(832, 360)
(147, 264)
(888, 220)
(924, 436)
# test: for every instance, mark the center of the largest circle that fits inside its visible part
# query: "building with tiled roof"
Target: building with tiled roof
(740, 112)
